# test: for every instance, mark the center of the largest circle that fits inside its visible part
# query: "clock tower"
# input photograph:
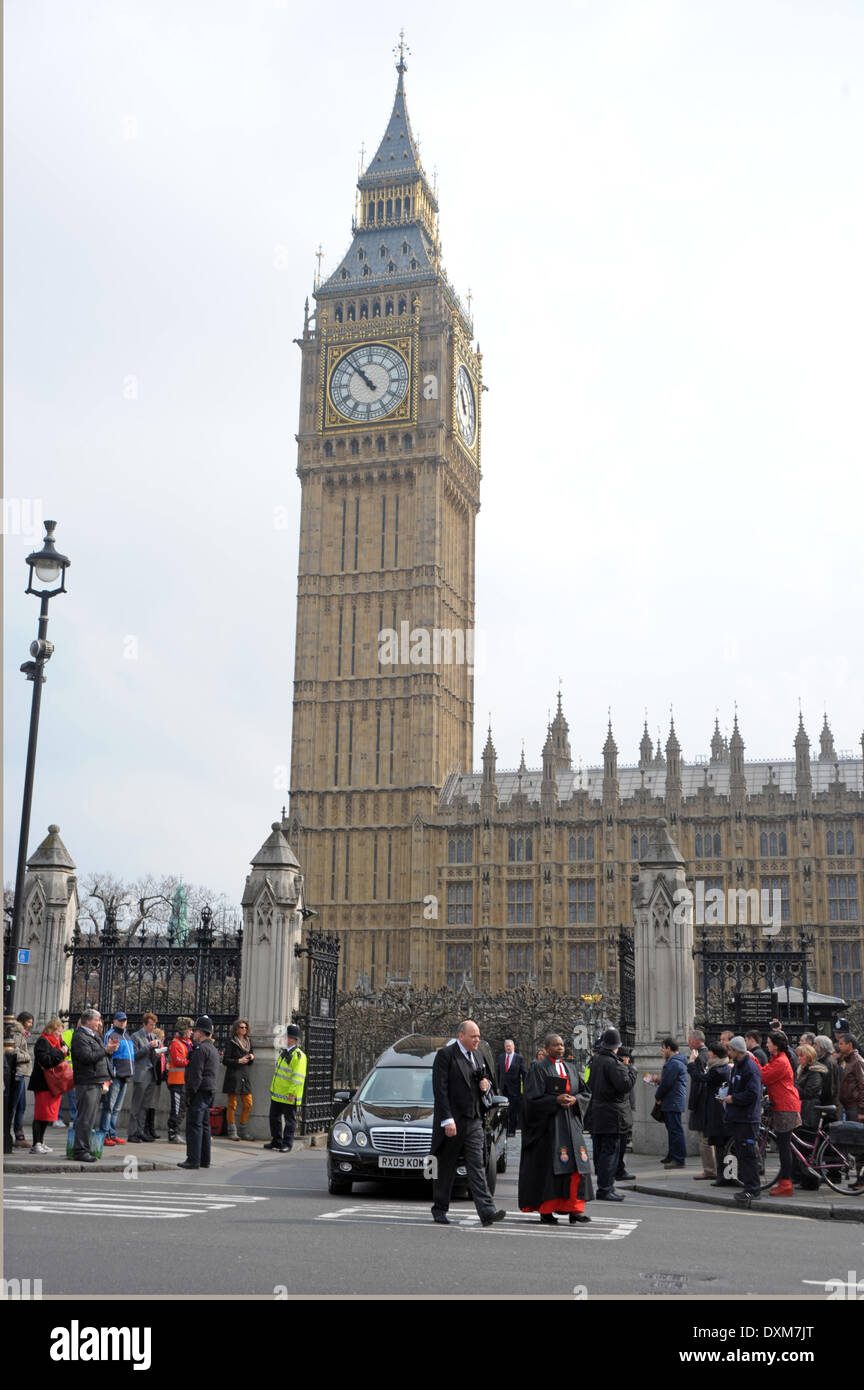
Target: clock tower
(389, 465)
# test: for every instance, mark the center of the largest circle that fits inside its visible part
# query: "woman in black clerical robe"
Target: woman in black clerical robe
(554, 1171)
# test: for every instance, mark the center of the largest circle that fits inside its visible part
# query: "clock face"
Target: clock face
(466, 407)
(369, 382)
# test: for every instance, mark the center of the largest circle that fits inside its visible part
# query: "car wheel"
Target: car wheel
(501, 1165)
(339, 1187)
(491, 1169)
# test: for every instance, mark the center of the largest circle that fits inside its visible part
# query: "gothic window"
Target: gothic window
(338, 313)
(407, 441)
(366, 271)
(458, 966)
(638, 845)
(344, 273)
(355, 446)
(582, 967)
(403, 306)
(581, 901)
(772, 841)
(361, 254)
(846, 958)
(407, 207)
(389, 308)
(582, 846)
(520, 964)
(781, 886)
(391, 267)
(842, 899)
(839, 839)
(520, 848)
(460, 903)
(382, 252)
(380, 210)
(413, 265)
(708, 842)
(333, 870)
(398, 209)
(364, 307)
(520, 901)
(351, 313)
(382, 444)
(460, 849)
(376, 309)
(328, 450)
(389, 208)
(404, 248)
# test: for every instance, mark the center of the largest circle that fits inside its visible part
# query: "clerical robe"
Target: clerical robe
(554, 1166)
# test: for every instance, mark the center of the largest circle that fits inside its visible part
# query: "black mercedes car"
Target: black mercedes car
(385, 1128)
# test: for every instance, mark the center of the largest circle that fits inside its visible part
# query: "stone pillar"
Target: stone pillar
(273, 905)
(50, 913)
(665, 995)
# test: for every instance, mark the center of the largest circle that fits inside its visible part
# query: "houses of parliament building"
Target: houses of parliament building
(429, 872)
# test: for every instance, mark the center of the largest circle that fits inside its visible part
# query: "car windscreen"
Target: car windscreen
(398, 1086)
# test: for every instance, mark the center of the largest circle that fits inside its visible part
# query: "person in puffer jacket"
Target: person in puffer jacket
(672, 1095)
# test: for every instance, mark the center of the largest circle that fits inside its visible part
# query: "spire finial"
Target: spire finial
(403, 48)
(319, 256)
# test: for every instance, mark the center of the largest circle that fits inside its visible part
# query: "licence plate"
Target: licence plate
(399, 1161)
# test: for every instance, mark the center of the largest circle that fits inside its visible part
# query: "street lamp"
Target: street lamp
(46, 578)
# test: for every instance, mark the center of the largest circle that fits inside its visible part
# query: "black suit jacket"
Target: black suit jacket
(456, 1089)
(510, 1082)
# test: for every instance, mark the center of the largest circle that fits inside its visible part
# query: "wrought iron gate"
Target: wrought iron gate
(317, 1018)
(733, 981)
(627, 986)
(112, 971)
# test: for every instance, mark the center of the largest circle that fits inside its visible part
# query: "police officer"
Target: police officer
(202, 1072)
(286, 1092)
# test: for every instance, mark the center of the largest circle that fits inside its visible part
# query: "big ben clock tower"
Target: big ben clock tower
(389, 464)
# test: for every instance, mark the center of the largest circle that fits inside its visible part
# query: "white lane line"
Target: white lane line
(517, 1224)
(128, 1202)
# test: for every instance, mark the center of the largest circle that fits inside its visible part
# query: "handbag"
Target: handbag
(58, 1079)
(657, 1112)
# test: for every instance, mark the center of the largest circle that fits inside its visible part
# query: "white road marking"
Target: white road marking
(518, 1223)
(128, 1202)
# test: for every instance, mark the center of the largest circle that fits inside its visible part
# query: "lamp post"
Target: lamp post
(47, 577)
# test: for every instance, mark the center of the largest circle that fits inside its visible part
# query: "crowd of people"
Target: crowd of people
(96, 1074)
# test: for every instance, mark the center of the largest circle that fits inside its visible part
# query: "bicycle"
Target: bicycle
(820, 1156)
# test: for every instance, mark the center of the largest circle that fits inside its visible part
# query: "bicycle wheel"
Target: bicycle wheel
(769, 1159)
(836, 1166)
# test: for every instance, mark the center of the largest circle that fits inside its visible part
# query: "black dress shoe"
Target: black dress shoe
(187, 1164)
(271, 1145)
(490, 1220)
(610, 1196)
(548, 1219)
(85, 1158)
(625, 1177)
(440, 1219)
(578, 1218)
(135, 1139)
(286, 1148)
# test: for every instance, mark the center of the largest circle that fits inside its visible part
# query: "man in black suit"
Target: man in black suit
(511, 1075)
(459, 1078)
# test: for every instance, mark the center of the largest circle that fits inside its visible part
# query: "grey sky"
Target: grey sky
(659, 210)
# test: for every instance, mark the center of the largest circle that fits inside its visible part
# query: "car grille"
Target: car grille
(401, 1141)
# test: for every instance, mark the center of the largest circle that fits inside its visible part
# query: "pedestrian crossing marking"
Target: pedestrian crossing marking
(129, 1202)
(518, 1223)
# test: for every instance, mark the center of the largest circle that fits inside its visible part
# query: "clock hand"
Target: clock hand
(371, 384)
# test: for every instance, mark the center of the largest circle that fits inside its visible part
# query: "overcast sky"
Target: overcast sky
(659, 209)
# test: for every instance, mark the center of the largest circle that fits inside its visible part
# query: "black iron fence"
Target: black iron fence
(627, 986)
(739, 987)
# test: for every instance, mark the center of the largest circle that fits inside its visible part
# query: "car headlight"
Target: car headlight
(361, 1139)
(342, 1134)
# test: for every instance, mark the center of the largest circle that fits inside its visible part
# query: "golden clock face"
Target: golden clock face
(368, 383)
(466, 407)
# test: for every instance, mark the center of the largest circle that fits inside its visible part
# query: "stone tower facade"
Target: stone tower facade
(389, 464)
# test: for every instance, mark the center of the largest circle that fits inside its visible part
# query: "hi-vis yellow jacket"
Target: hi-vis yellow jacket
(289, 1078)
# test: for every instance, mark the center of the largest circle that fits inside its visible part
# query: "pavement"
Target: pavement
(654, 1180)
(148, 1158)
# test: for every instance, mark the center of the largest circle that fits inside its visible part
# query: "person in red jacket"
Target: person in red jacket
(175, 1077)
(778, 1078)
